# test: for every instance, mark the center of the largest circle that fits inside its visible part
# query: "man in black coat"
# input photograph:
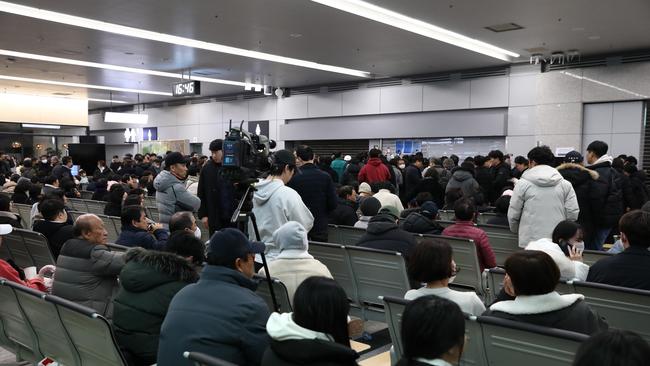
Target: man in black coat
(346, 211)
(64, 169)
(316, 189)
(630, 268)
(501, 173)
(383, 233)
(412, 175)
(216, 192)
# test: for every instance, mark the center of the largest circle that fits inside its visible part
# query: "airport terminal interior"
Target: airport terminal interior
(324, 182)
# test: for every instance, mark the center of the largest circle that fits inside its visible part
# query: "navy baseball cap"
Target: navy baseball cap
(573, 157)
(175, 158)
(230, 244)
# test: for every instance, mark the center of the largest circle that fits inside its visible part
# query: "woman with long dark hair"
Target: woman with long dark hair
(316, 333)
(433, 332)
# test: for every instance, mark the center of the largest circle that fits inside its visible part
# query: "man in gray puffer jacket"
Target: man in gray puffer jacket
(463, 179)
(541, 199)
(86, 270)
(171, 194)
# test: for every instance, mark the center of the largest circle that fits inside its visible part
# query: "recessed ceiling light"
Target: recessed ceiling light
(107, 101)
(79, 85)
(68, 61)
(97, 25)
(295, 35)
(394, 19)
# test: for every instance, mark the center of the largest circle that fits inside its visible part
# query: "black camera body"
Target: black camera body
(246, 156)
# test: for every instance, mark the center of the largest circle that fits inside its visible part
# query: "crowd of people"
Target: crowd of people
(171, 292)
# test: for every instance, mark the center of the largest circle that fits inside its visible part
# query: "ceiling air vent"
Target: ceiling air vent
(342, 87)
(385, 82)
(307, 90)
(505, 27)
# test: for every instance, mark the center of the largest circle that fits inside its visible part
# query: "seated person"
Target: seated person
(86, 270)
(21, 192)
(614, 347)
(369, 208)
(384, 233)
(386, 196)
(432, 264)
(148, 282)
(137, 232)
(630, 268)
(433, 332)
(566, 250)
(116, 196)
(501, 206)
(316, 333)
(54, 226)
(133, 200)
(415, 204)
(10, 185)
(6, 216)
(531, 277)
(230, 326)
(51, 183)
(70, 189)
(11, 272)
(345, 211)
(35, 191)
(101, 192)
(423, 221)
(464, 228)
(56, 194)
(187, 246)
(184, 221)
(294, 264)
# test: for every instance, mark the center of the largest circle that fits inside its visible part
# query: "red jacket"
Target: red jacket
(8, 272)
(467, 230)
(374, 171)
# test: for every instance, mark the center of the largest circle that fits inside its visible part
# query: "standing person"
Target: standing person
(607, 203)
(28, 171)
(412, 175)
(116, 164)
(338, 165)
(216, 192)
(483, 176)
(430, 184)
(637, 186)
(171, 194)
(64, 170)
(521, 165)
(102, 171)
(463, 179)
(500, 173)
(43, 168)
(541, 199)
(374, 170)
(316, 190)
(351, 174)
(230, 326)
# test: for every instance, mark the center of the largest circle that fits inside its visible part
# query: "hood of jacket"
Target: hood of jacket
(374, 161)
(281, 327)
(165, 180)
(462, 175)
(265, 190)
(146, 269)
(415, 222)
(576, 173)
(604, 159)
(381, 224)
(543, 176)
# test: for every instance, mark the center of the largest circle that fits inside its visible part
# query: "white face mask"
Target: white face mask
(579, 245)
(401, 166)
(44, 161)
(197, 233)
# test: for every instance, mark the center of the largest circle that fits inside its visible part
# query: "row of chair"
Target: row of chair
(35, 325)
(481, 218)
(622, 307)
(492, 341)
(26, 248)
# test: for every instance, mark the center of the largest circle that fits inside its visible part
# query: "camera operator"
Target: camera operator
(275, 204)
(216, 192)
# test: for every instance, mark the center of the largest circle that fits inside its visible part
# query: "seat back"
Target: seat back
(502, 240)
(90, 332)
(505, 341)
(280, 291)
(623, 308)
(78, 204)
(337, 261)
(589, 257)
(484, 217)
(86, 195)
(394, 308)
(95, 207)
(52, 338)
(25, 212)
(75, 214)
(445, 224)
(113, 232)
(16, 334)
(152, 213)
(37, 246)
(117, 223)
(149, 201)
(495, 277)
(378, 273)
(447, 215)
(15, 244)
(473, 352)
(466, 259)
(344, 235)
(201, 359)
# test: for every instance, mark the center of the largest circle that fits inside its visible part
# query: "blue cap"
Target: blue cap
(429, 209)
(231, 243)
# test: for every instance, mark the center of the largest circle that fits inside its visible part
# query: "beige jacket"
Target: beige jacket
(292, 271)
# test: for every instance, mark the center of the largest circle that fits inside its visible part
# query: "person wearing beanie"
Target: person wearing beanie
(423, 221)
(369, 209)
(364, 192)
(294, 264)
(217, 193)
(220, 315)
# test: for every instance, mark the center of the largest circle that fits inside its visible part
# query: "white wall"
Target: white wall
(618, 124)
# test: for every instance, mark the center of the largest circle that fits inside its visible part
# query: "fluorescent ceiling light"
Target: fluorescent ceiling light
(388, 17)
(97, 65)
(107, 101)
(133, 118)
(62, 18)
(78, 85)
(47, 127)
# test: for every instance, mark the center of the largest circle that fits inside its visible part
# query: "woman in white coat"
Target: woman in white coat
(565, 247)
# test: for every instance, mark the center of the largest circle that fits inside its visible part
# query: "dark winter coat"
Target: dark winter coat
(220, 316)
(638, 187)
(432, 186)
(415, 222)
(113, 209)
(629, 196)
(499, 220)
(57, 233)
(463, 180)
(100, 195)
(308, 352)
(317, 191)
(501, 174)
(134, 237)
(148, 282)
(61, 171)
(483, 177)
(351, 175)
(20, 197)
(28, 172)
(43, 170)
(607, 204)
(412, 176)
(98, 174)
(345, 213)
(383, 233)
(217, 194)
(584, 182)
(630, 268)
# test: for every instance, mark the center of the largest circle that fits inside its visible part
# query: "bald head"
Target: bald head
(91, 228)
